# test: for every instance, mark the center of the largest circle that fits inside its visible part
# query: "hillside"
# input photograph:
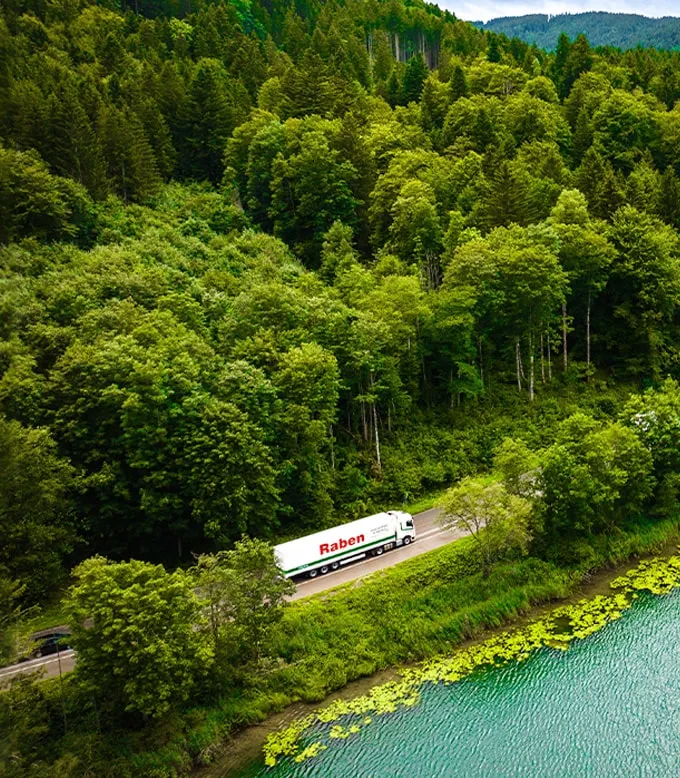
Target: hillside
(266, 266)
(625, 31)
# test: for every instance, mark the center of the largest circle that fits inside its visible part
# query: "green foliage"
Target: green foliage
(133, 626)
(475, 240)
(617, 30)
(655, 419)
(10, 612)
(647, 269)
(517, 465)
(36, 518)
(593, 478)
(33, 202)
(496, 519)
(416, 610)
(414, 78)
(243, 592)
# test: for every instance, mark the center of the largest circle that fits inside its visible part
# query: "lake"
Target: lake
(609, 706)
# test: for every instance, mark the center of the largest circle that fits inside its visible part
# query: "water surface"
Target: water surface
(609, 706)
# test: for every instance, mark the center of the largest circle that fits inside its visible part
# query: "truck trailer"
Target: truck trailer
(327, 550)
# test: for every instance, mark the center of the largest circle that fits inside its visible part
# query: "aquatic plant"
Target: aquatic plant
(658, 576)
(556, 630)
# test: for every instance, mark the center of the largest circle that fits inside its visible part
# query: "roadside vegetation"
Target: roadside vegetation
(171, 663)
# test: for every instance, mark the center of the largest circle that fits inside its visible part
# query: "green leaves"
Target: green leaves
(311, 189)
(36, 517)
(33, 202)
(497, 520)
(593, 478)
(134, 628)
(242, 594)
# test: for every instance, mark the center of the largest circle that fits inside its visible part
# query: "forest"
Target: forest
(267, 266)
(620, 30)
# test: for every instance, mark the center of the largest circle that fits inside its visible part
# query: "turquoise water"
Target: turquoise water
(609, 706)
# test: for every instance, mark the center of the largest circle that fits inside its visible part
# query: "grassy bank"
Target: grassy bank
(415, 610)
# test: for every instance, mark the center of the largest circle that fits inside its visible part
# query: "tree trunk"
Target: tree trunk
(549, 357)
(531, 369)
(375, 425)
(481, 362)
(332, 448)
(377, 437)
(564, 336)
(588, 334)
(124, 183)
(518, 365)
(542, 362)
(433, 270)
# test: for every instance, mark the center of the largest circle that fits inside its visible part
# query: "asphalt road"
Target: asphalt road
(429, 535)
(48, 666)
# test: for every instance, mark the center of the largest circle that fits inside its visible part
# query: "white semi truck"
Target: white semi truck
(330, 548)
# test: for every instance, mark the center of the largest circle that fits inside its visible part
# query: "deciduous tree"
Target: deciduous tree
(134, 627)
(497, 520)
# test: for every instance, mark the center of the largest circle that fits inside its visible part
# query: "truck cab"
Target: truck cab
(405, 531)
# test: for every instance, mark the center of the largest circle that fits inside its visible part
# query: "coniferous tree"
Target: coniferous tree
(70, 143)
(582, 138)
(130, 161)
(307, 88)
(590, 175)
(506, 199)
(458, 84)
(579, 60)
(414, 79)
(609, 194)
(267, 144)
(668, 204)
(210, 117)
(559, 63)
(383, 60)
(493, 52)
(433, 104)
(158, 135)
(393, 89)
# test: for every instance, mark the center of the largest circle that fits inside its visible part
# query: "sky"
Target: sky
(483, 10)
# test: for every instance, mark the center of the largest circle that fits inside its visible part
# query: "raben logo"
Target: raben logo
(329, 548)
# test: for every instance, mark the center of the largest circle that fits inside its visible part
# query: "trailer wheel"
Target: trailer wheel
(379, 550)
(335, 565)
(407, 540)
(324, 570)
(313, 573)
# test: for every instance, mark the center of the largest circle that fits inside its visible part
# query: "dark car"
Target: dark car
(47, 642)
(57, 641)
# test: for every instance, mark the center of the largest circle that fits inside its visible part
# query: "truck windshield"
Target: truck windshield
(409, 523)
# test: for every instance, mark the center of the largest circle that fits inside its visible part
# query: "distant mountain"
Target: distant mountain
(625, 31)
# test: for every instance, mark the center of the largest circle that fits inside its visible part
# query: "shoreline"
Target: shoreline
(245, 746)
